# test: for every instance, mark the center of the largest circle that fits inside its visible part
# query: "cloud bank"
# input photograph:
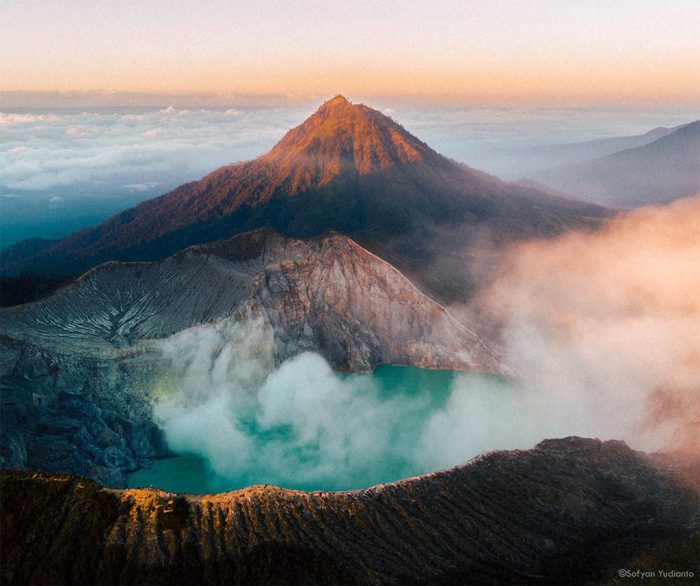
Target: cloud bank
(114, 147)
(102, 161)
(605, 327)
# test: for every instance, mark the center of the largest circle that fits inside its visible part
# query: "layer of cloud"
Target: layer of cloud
(109, 147)
(92, 157)
(114, 147)
(104, 161)
(7, 119)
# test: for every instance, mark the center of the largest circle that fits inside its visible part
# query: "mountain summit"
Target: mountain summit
(348, 168)
(344, 138)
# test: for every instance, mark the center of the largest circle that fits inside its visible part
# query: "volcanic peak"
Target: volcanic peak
(347, 168)
(338, 101)
(343, 138)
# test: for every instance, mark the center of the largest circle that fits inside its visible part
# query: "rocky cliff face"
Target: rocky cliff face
(79, 368)
(569, 511)
(328, 294)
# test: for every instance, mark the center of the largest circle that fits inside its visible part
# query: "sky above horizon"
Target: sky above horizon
(531, 51)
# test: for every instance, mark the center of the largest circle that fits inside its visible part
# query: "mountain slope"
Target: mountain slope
(658, 172)
(347, 168)
(569, 511)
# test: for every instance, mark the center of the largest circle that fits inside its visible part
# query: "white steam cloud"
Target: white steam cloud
(603, 330)
(299, 425)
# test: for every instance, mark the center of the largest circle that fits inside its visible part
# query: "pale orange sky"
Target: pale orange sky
(491, 51)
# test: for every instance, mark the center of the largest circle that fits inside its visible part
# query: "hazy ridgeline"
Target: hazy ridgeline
(601, 330)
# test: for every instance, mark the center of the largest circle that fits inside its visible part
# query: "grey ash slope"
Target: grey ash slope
(326, 294)
(78, 370)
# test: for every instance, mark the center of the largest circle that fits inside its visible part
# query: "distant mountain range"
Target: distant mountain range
(347, 168)
(658, 171)
(533, 160)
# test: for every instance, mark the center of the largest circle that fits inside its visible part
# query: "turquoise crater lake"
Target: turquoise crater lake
(367, 440)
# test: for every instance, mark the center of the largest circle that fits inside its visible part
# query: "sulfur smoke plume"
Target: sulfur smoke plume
(299, 425)
(602, 330)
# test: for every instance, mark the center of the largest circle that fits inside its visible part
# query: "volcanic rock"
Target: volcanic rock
(569, 511)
